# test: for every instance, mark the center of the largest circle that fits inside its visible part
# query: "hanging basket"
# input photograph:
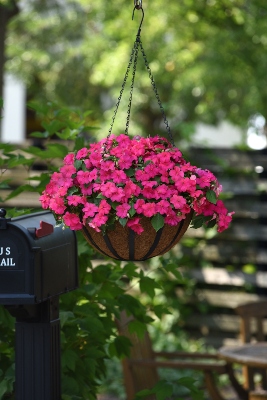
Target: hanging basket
(143, 188)
(123, 243)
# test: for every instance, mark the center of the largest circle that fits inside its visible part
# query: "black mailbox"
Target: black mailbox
(38, 263)
(37, 260)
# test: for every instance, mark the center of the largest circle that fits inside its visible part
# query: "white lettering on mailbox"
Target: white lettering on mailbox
(6, 261)
(4, 251)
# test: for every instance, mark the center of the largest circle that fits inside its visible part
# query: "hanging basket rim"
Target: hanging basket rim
(124, 244)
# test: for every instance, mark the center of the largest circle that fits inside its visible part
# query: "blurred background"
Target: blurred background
(208, 59)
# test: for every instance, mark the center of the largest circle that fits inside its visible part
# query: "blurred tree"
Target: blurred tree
(208, 58)
(8, 9)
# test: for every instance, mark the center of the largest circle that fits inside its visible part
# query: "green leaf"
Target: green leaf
(7, 148)
(137, 327)
(211, 196)
(42, 135)
(163, 390)
(78, 164)
(19, 160)
(3, 388)
(123, 221)
(68, 134)
(120, 347)
(57, 150)
(130, 270)
(114, 205)
(211, 223)
(53, 126)
(69, 359)
(72, 190)
(157, 222)
(20, 189)
(148, 285)
(130, 172)
(144, 393)
(173, 268)
(132, 211)
(198, 221)
(79, 143)
(5, 184)
(161, 310)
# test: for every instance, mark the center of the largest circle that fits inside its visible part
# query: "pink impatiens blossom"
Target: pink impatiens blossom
(163, 207)
(172, 219)
(101, 183)
(69, 159)
(149, 209)
(135, 225)
(72, 221)
(122, 210)
(223, 221)
(67, 171)
(81, 153)
(57, 205)
(89, 210)
(104, 207)
(139, 206)
(75, 200)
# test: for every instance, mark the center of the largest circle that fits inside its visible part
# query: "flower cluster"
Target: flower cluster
(122, 179)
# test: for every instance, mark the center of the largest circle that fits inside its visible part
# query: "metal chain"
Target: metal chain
(156, 94)
(122, 89)
(136, 45)
(134, 56)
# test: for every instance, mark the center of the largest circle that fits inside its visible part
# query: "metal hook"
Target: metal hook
(138, 6)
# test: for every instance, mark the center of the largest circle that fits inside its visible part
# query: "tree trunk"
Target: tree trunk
(6, 13)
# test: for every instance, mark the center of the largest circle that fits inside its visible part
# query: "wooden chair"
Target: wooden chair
(140, 369)
(252, 318)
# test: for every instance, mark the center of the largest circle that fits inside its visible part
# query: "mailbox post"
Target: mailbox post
(38, 263)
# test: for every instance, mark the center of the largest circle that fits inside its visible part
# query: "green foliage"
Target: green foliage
(89, 335)
(76, 54)
(164, 389)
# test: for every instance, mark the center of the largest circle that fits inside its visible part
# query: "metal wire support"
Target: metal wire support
(133, 59)
(156, 94)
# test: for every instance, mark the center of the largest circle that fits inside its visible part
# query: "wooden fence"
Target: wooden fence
(229, 268)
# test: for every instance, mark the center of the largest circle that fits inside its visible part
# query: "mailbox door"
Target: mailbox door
(16, 268)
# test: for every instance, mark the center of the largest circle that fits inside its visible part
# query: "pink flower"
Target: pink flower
(115, 173)
(118, 176)
(135, 225)
(89, 210)
(163, 191)
(75, 200)
(125, 161)
(122, 210)
(68, 170)
(98, 220)
(141, 175)
(69, 159)
(223, 221)
(87, 190)
(104, 207)
(81, 153)
(162, 207)
(172, 219)
(149, 209)
(178, 201)
(57, 205)
(73, 221)
(139, 206)
(131, 189)
(45, 200)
